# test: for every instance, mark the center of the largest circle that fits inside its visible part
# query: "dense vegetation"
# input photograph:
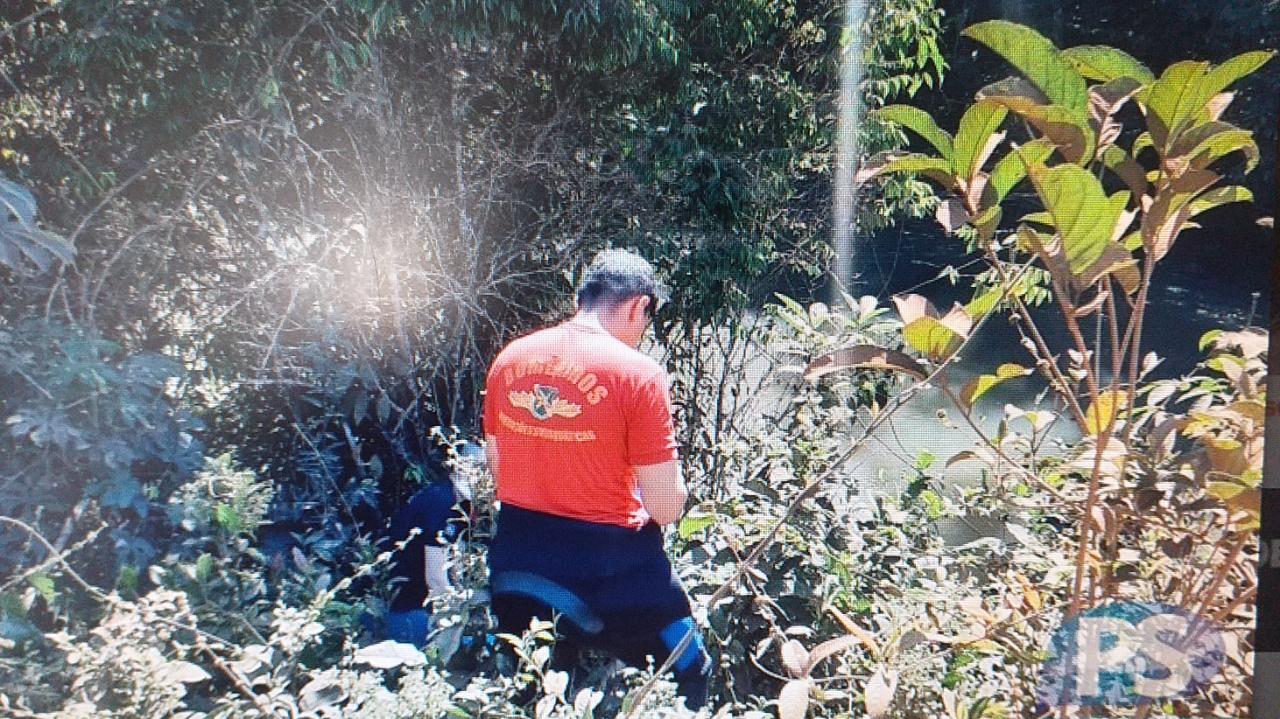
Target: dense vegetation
(258, 256)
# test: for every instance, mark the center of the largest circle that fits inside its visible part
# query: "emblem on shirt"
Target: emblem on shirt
(544, 403)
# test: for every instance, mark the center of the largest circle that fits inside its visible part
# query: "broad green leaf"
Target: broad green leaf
(1037, 58)
(1219, 196)
(921, 123)
(1039, 218)
(1116, 262)
(984, 302)
(976, 127)
(1208, 339)
(1099, 62)
(43, 584)
(1179, 97)
(1236, 496)
(1085, 218)
(692, 523)
(224, 516)
(931, 338)
(1171, 98)
(1104, 412)
(1012, 168)
(934, 168)
(987, 222)
(1224, 75)
(1206, 143)
(982, 384)
(1045, 246)
(1015, 86)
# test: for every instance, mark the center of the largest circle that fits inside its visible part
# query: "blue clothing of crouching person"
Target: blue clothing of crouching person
(420, 570)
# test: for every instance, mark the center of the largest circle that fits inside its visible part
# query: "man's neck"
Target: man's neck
(593, 320)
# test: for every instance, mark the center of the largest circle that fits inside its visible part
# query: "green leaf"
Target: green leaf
(932, 501)
(1213, 140)
(1207, 339)
(984, 302)
(976, 127)
(1168, 215)
(1038, 218)
(1035, 57)
(1224, 75)
(931, 338)
(987, 222)
(934, 168)
(1179, 97)
(127, 580)
(1099, 62)
(982, 384)
(921, 123)
(1084, 216)
(204, 567)
(1219, 196)
(1012, 168)
(43, 584)
(695, 522)
(225, 516)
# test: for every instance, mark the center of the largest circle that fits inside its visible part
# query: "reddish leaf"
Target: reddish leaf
(863, 357)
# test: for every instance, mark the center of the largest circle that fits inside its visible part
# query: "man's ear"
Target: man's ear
(638, 308)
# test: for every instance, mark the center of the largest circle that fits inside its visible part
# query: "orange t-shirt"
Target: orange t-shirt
(573, 410)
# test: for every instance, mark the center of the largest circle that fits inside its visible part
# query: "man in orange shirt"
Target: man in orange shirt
(582, 445)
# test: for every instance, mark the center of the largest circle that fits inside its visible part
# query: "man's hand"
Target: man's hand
(662, 490)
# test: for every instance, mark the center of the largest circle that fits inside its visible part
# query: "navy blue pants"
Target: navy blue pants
(612, 587)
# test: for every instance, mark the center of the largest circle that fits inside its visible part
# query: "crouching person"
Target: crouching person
(581, 442)
(439, 511)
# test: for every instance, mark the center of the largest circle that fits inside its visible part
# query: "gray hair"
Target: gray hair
(615, 276)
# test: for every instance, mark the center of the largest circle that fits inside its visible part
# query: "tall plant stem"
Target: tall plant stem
(1100, 446)
(1059, 382)
(1134, 341)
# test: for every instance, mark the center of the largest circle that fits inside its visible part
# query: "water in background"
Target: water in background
(1215, 277)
